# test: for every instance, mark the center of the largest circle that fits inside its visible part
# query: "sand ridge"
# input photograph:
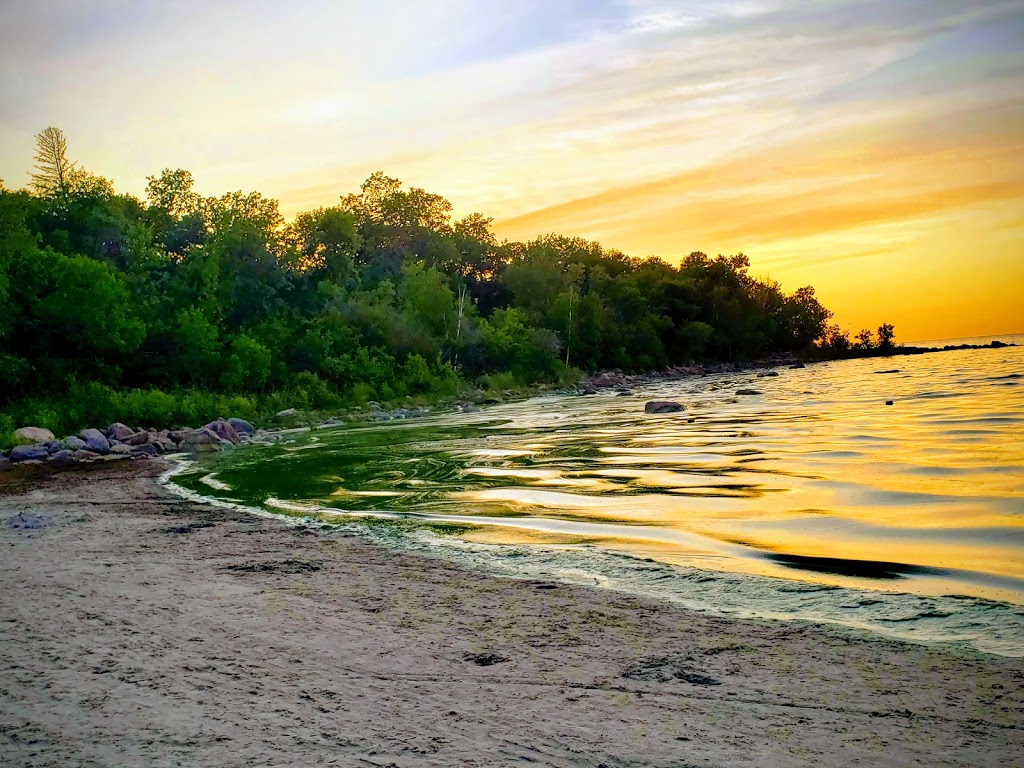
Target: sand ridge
(137, 628)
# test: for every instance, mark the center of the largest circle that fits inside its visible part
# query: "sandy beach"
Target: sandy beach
(140, 629)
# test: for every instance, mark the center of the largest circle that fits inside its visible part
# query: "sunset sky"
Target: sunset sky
(872, 149)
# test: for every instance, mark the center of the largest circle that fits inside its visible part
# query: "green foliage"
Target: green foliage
(185, 308)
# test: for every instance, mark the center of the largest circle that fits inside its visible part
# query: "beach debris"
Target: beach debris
(664, 669)
(663, 406)
(27, 521)
(485, 659)
(34, 434)
(748, 392)
(278, 566)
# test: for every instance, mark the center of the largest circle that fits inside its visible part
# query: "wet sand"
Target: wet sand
(141, 629)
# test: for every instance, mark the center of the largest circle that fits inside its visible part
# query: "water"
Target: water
(813, 500)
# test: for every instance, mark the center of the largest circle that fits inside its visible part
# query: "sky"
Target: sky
(872, 149)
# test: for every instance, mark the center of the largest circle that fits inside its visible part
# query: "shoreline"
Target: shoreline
(140, 626)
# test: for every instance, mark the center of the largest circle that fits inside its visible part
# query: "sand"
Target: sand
(141, 629)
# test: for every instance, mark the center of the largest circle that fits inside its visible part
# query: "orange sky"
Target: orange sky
(873, 149)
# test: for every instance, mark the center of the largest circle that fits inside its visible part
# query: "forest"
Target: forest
(179, 308)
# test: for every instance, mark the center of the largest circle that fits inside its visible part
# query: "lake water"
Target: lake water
(812, 500)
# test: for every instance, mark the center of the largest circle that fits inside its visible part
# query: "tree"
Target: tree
(171, 192)
(865, 339)
(886, 333)
(53, 169)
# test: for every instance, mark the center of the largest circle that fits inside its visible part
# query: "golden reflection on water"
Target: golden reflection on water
(818, 467)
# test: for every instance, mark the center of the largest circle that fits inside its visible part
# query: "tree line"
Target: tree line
(178, 307)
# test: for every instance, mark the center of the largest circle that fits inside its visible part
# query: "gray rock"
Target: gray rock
(62, 456)
(139, 438)
(118, 431)
(241, 426)
(122, 450)
(177, 435)
(201, 441)
(95, 441)
(663, 406)
(146, 449)
(288, 413)
(767, 373)
(28, 453)
(52, 446)
(624, 392)
(74, 443)
(35, 434)
(223, 430)
(748, 392)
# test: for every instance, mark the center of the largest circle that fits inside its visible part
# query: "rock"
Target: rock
(241, 426)
(748, 392)
(163, 444)
(893, 370)
(95, 441)
(663, 406)
(996, 344)
(121, 450)
(52, 446)
(118, 431)
(84, 454)
(73, 443)
(139, 438)
(606, 380)
(177, 435)
(223, 430)
(28, 453)
(201, 440)
(625, 392)
(146, 449)
(888, 402)
(796, 366)
(767, 373)
(63, 456)
(35, 434)
(288, 413)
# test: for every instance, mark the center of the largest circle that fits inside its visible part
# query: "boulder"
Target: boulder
(28, 453)
(748, 392)
(63, 456)
(84, 454)
(289, 413)
(139, 438)
(625, 392)
(164, 444)
(241, 426)
(73, 443)
(606, 380)
(121, 450)
(201, 441)
(177, 435)
(52, 446)
(223, 430)
(35, 434)
(95, 441)
(663, 406)
(118, 431)
(797, 365)
(763, 374)
(147, 449)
